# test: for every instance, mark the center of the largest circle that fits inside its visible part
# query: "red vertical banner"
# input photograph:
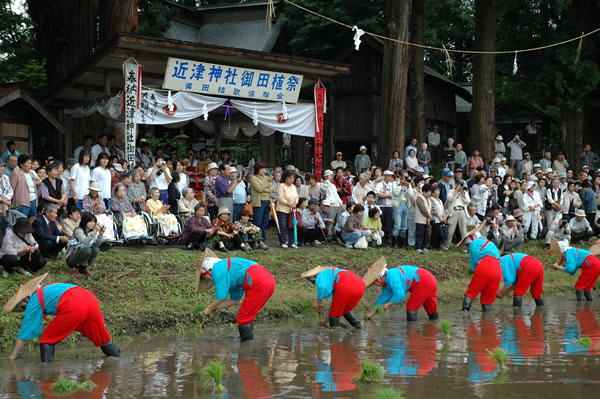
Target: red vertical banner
(320, 92)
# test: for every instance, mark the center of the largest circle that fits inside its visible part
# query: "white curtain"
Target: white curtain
(300, 122)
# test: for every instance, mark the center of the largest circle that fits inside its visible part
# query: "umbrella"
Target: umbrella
(295, 223)
(275, 216)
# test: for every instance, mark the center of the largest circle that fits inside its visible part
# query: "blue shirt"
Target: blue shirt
(510, 264)
(574, 259)
(34, 317)
(239, 194)
(397, 282)
(589, 200)
(325, 281)
(478, 249)
(7, 154)
(231, 282)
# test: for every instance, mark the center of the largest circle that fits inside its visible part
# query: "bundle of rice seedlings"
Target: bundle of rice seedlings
(387, 393)
(369, 372)
(586, 342)
(212, 375)
(445, 326)
(500, 356)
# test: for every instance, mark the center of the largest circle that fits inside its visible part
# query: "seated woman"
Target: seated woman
(227, 236)
(174, 193)
(251, 234)
(137, 191)
(85, 245)
(188, 203)
(373, 223)
(353, 229)
(198, 229)
(70, 223)
(94, 203)
(159, 211)
(131, 223)
(20, 252)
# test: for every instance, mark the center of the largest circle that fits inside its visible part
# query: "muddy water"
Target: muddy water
(301, 360)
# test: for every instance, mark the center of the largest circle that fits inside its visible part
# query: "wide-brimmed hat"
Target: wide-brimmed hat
(95, 186)
(338, 153)
(118, 167)
(325, 203)
(510, 218)
(212, 165)
(223, 210)
(22, 226)
(548, 170)
(595, 249)
(499, 138)
(24, 291)
(537, 165)
(517, 212)
(374, 271)
(462, 244)
(580, 212)
(314, 271)
(202, 284)
(388, 173)
(362, 147)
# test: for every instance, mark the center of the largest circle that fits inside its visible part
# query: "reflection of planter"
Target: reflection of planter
(167, 111)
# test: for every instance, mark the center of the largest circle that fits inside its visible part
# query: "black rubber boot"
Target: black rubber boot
(579, 295)
(402, 241)
(434, 316)
(395, 243)
(351, 318)
(47, 352)
(246, 332)
(467, 303)
(486, 308)
(539, 302)
(517, 301)
(588, 295)
(411, 315)
(110, 349)
(335, 322)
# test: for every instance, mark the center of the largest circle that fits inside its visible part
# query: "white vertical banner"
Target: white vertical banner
(132, 83)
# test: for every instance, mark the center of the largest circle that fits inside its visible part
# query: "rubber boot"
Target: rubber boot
(539, 302)
(110, 349)
(351, 318)
(588, 295)
(517, 301)
(47, 352)
(434, 316)
(411, 315)
(467, 303)
(579, 295)
(395, 243)
(335, 322)
(486, 308)
(246, 332)
(402, 241)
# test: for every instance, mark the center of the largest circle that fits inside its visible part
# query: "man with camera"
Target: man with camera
(401, 193)
(516, 153)
(160, 177)
(511, 234)
(456, 204)
(559, 229)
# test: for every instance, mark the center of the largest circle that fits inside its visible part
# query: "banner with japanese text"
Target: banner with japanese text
(320, 93)
(132, 82)
(230, 81)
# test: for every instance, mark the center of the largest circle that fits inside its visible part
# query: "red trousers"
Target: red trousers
(590, 270)
(423, 293)
(347, 292)
(77, 310)
(486, 280)
(257, 294)
(531, 275)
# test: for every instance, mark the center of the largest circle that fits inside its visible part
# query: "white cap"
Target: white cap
(496, 160)
(549, 170)
(328, 172)
(517, 136)
(208, 264)
(388, 173)
(326, 203)
(530, 184)
(510, 218)
(362, 147)
(233, 170)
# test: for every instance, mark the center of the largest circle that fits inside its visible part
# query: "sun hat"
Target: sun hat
(212, 165)
(580, 212)
(595, 250)
(530, 184)
(314, 271)
(419, 169)
(463, 244)
(338, 153)
(362, 147)
(22, 226)
(398, 164)
(458, 170)
(526, 154)
(503, 159)
(118, 167)
(563, 246)
(517, 136)
(374, 271)
(388, 173)
(499, 138)
(562, 175)
(232, 170)
(203, 284)
(510, 218)
(537, 165)
(223, 210)
(24, 291)
(496, 160)
(325, 203)
(328, 172)
(517, 213)
(95, 186)
(548, 170)
(313, 201)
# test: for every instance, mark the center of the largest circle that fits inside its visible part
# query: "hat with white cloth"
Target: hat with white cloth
(208, 260)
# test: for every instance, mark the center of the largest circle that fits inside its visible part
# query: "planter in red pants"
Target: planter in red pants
(423, 292)
(347, 292)
(531, 275)
(256, 294)
(486, 280)
(590, 270)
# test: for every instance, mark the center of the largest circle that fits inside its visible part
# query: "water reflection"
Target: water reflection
(586, 325)
(414, 355)
(337, 367)
(481, 339)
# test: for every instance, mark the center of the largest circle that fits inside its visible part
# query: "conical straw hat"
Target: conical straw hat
(555, 249)
(462, 245)
(374, 271)
(203, 284)
(24, 291)
(595, 250)
(313, 272)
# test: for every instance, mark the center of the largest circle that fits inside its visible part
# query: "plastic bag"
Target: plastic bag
(361, 243)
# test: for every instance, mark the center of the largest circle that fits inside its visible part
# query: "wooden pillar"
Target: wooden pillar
(268, 149)
(107, 84)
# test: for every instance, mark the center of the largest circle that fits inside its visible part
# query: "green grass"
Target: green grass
(500, 356)
(586, 342)
(212, 375)
(445, 326)
(369, 373)
(387, 393)
(66, 387)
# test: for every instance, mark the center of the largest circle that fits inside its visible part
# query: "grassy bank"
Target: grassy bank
(152, 289)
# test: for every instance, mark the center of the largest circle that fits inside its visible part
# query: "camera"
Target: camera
(163, 163)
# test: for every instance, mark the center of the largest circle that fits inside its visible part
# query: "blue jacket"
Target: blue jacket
(478, 249)
(229, 281)
(574, 259)
(34, 317)
(325, 281)
(511, 263)
(398, 281)
(44, 231)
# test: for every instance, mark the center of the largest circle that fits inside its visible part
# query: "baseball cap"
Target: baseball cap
(448, 173)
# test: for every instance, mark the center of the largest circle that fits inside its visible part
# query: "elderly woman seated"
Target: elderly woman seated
(159, 211)
(228, 234)
(20, 252)
(188, 203)
(198, 229)
(70, 223)
(131, 223)
(94, 203)
(137, 191)
(84, 247)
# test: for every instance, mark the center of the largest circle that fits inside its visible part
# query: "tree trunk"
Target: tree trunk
(64, 35)
(573, 145)
(416, 88)
(117, 16)
(395, 73)
(482, 114)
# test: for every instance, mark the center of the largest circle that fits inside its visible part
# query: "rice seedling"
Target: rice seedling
(146, 336)
(500, 356)
(369, 372)
(68, 386)
(212, 375)
(379, 309)
(387, 393)
(198, 309)
(586, 342)
(307, 305)
(445, 326)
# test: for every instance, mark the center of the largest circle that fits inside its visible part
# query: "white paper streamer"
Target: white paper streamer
(170, 101)
(205, 111)
(515, 66)
(357, 35)
(284, 112)
(255, 116)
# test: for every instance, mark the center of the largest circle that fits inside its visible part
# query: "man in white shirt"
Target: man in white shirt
(456, 204)
(360, 190)
(99, 148)
(159, 176)
(532, 204)
(383, 190)
(516, 153)
(337, 162)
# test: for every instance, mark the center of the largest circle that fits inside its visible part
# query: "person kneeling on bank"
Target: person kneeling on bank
(85, 245)
(20, 251)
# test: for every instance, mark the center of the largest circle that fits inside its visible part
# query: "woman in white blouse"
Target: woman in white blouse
(80, 178)
(101, 175)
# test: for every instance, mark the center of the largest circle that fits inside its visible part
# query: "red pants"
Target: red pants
(77, 310)
(486, 280)
(347, 292)
(257, 294)
(590, 270)
(531, 275)
(423, 293)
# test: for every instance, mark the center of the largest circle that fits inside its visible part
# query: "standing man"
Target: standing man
(224, 189)
(588, 158)
(362, 161)
(516, 153)
(457, 203)
(11, 165)
(546, 163)
(499, 147)
(11, 149)
(446, 185)
(560, 165)
(451, 154)
(433, 138)
(99, 148)
(337, 162)
(384, 200)
(411, 146)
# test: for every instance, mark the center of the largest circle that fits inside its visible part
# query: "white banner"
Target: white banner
(132, 82)
(230, 81)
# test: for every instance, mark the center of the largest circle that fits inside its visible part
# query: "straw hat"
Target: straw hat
(212, 165)
(95, 186)
(223, 210)
(462, 245)
(23, 292)
(555, 248)
(313, 272)
(201, 284)
(374, 271)
(595, 249)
